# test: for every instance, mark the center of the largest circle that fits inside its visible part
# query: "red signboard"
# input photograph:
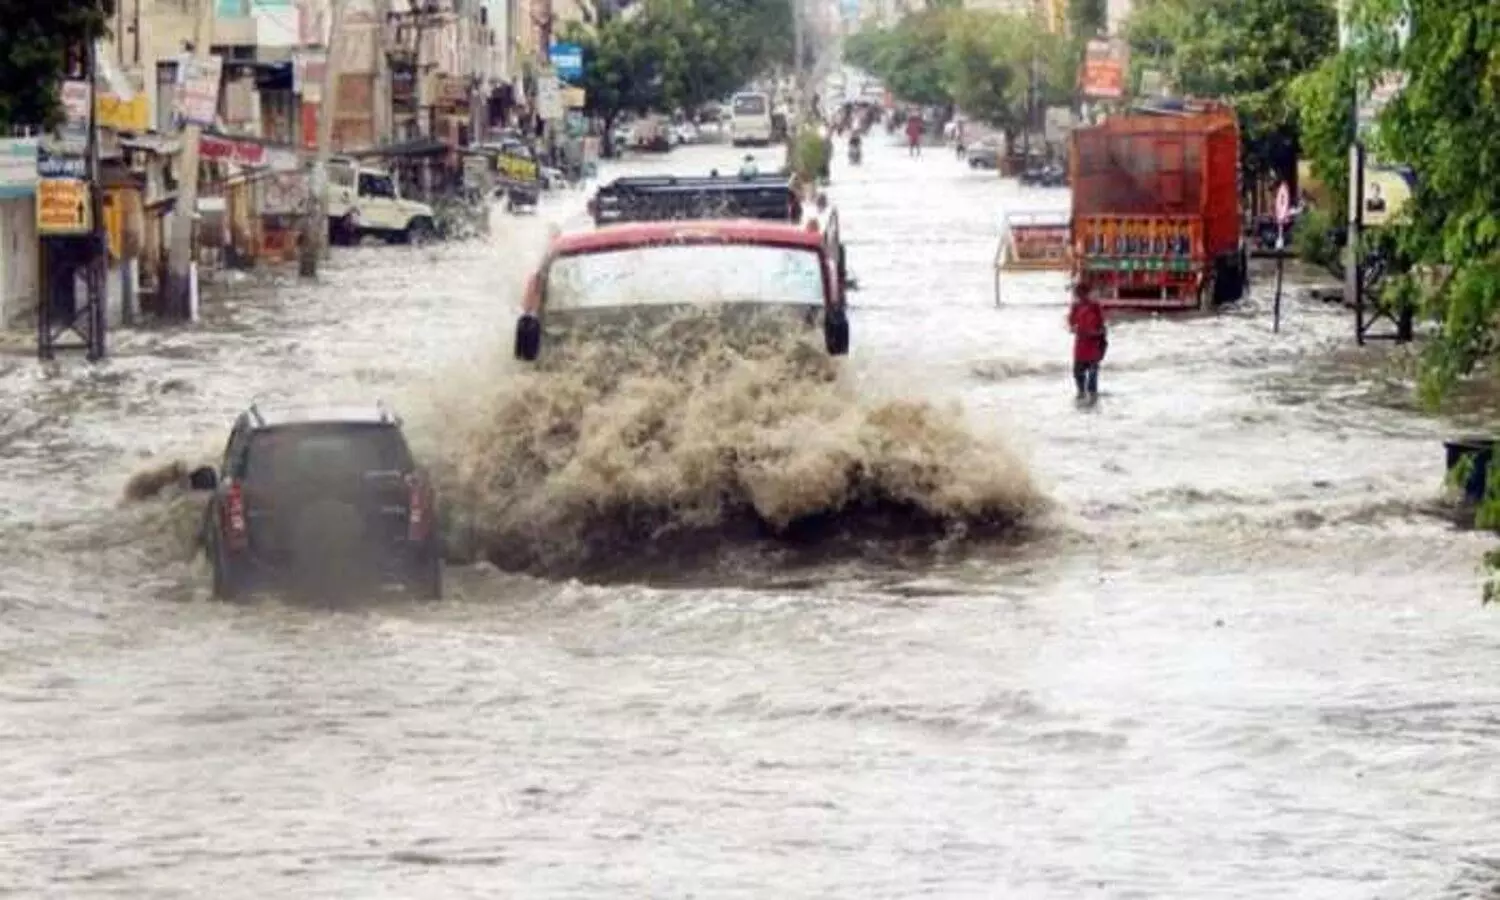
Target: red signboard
(222, 149)
(1040, 244)
(1103, 74)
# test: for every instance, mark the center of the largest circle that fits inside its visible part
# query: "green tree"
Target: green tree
(1248, 52)
(1444, 124)
(621, 68)
(996, 64)
(33, 54)
(909, 57)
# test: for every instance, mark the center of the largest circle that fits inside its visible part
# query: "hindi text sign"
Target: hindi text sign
(62, 206)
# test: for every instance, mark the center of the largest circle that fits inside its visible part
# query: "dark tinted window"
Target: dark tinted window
(750, 105)
(300, 452)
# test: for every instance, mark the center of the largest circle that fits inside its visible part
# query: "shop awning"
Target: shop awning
(422, 146)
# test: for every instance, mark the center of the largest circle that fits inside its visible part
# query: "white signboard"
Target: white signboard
(196, 100)
(307, 74)
(549, 103)
(75, 103)
(278, 23)
(18, 167)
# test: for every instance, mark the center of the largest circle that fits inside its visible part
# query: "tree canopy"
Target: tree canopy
(982, 61)
(34, 51)
(1443, 124)
(677, 53)
(1248, 52)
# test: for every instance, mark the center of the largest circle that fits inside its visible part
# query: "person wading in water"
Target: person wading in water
(1090, 341)
(913, 135)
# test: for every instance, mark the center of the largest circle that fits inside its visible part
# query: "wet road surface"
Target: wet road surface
(1242, 664)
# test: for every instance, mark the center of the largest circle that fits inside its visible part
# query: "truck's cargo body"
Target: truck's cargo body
(1156, 209)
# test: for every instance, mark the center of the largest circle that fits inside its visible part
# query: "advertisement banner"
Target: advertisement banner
(549, 103)
(1103, 74)
(18, 173)
(75, 103)
(515, 167)
(62, 206)
(284, 194)
(278, 23)
(132, 115)
(196, 100)
(567, 61)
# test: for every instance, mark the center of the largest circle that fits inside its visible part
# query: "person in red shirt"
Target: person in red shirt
(1090, 340)
(914, 135)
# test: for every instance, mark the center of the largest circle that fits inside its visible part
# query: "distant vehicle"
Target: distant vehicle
(984, 154)
(365, 202)
(319, 495)
(1045, 176)
(750, 119)
(518, 174)
(676, 198)
(1156, 219)
(622, 273)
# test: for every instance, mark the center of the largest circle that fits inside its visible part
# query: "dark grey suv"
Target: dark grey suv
(325, 497)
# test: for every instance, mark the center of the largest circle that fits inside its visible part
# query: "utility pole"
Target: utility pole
(180, 255)
(384, 111)
(315, 231)
(797, 87)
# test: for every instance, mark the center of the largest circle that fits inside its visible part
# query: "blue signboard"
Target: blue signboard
(567, 61)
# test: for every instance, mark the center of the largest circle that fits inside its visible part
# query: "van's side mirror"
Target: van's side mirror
(203, 479)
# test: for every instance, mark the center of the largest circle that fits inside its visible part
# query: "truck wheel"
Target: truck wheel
(1228, 280)
(426, 579)
(528, 338)
(836, 333)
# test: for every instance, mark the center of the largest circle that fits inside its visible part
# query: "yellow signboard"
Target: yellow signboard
(62, 206)
(123, 115)
(517, 167)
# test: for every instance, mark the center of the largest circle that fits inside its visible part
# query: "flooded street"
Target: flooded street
(1238, 661)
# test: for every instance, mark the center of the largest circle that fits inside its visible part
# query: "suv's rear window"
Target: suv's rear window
(318, 451)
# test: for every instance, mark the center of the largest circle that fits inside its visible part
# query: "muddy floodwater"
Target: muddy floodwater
(1234, 658)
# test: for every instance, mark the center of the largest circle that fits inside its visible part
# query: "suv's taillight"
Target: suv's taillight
(419, 509)
(236, 529)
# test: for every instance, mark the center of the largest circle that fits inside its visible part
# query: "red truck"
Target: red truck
(1156, 209)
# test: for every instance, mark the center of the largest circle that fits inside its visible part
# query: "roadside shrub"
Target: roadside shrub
(1316, 240)
(809, 156)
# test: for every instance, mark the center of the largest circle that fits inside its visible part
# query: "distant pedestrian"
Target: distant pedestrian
(1090, 341)
(913, 135)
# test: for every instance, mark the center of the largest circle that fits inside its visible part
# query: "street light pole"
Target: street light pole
(180, 254)
(315, 232)
(797, 87)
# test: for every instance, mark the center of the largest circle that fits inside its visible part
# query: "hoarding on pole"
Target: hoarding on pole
(1102, 76)
(62, 207)
(196, 100)
(18, 174)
